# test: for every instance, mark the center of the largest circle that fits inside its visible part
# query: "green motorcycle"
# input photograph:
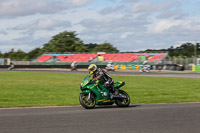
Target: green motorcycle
(94, 93)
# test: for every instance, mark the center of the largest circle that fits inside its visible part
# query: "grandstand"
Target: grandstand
(44, 58)
(76, 57)
(157, 57)
(120, 57)
(106, 57)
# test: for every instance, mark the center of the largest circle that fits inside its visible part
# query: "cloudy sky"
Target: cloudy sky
(127, 24)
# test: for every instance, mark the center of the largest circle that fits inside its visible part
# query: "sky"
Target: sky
(129, 25)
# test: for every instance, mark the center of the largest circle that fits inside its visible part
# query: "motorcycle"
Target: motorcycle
(74, 68)
(110, 67)
(144, 68)
(94, 93)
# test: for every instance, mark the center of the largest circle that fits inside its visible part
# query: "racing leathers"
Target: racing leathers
(100, 74)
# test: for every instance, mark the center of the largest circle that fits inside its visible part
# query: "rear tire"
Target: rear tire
(123, 102)
(85, 102)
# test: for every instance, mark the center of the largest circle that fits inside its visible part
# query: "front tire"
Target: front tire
(85, 102)
(123, 102)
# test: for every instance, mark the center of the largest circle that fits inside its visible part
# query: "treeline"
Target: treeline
(66, 42)
(63, 42)
(186, 49)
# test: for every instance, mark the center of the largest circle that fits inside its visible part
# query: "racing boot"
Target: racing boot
(112, 94)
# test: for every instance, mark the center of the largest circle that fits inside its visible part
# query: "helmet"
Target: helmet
(92, 68)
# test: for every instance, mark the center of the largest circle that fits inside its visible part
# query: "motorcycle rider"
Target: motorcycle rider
(110, 67)
(74, 66)
(99, 74)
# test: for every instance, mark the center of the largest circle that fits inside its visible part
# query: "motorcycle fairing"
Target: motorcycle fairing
(86, 92)
(119, 84)
(101, 98)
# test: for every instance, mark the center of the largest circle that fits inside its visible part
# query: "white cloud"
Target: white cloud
(114, 10)
(28, 7)
(191, 25)
(163, 25)
(124, 35)
(5, 46)
(11, 35)
(150, 6)
(41, 24)
(44, 34)
(46, 24)
(78, 2)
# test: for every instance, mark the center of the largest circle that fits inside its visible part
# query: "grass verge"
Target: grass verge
(46, 89)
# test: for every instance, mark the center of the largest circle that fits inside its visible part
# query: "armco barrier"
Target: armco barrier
(172, 67)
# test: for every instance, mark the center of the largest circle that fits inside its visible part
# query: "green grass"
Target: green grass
(46, 89)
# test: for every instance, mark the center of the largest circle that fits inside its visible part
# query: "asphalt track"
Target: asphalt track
(143, 118)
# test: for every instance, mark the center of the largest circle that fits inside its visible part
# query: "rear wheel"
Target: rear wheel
(86, 102)
(124, 101)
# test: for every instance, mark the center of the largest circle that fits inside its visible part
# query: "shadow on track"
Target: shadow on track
(114, 106)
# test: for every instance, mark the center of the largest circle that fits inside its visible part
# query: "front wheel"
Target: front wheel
(124, 101)
(88, 102)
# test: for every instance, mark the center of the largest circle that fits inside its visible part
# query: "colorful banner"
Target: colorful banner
(196, 68)
(127, 67)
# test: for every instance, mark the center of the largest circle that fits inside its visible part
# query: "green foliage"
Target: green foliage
(65, 42)
(68, 42)
(91, 46)
(34, 53)
(18, 55)
(154, 51)
(45, 89)
(105, 47)
(1, 55)
(186, 49)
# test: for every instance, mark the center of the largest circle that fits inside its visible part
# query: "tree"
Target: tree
(65, 42)
(186, 49)
(91, 46)
(1, 55)
(18, 55)
(5, 55)
(34, 53)
(105, 47)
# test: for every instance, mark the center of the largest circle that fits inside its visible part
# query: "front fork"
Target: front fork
(89, 96)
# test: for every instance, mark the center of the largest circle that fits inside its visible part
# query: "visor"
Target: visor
(91, 72)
